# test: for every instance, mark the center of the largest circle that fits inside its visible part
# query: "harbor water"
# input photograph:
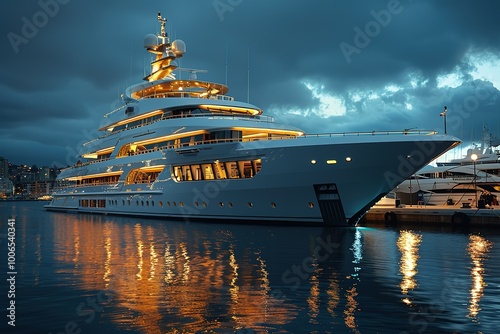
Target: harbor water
(78, 273)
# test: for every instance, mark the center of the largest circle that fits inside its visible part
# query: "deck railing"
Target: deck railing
(214, 141)
(251, 118)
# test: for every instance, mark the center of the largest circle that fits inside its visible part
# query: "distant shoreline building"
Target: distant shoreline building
(6, 188)
(25, 182)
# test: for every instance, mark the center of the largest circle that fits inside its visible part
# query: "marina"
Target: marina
(466, 216)
(462, 192)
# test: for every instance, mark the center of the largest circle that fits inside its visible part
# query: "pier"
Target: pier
(433, 215)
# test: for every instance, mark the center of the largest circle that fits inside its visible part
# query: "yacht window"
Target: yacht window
(208, 173)
(136, 176)
(217, 170)
(220, 171)
(196, 171)
(232, 169)
(245, 168)
(178, 173)
(187, 173)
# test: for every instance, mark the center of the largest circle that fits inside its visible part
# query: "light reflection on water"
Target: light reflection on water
(167, 277)
(478, 249)
(408, 243)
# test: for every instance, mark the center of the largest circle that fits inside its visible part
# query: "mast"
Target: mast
(166, 53)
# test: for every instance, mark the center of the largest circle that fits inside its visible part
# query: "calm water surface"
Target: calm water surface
(107, 274)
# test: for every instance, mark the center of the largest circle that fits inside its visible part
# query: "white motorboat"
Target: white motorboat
(460, 185)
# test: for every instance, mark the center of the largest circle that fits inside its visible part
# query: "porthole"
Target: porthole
(221, 204)
(230, 204)
(174, 204)
(168, 203)
(147, 203)
(181, 204)
(160, 203)
(137, 203)
(313, 162)
(331, 162)
(152, 203)
(142, 203)
(123, 202)
(204, 204)
(348, 159)
(196, 204)
(311, 205)
(250, 204)
(273, 205)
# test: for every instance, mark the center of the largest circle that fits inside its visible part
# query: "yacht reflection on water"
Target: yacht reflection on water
(204, 277)
(167, 276)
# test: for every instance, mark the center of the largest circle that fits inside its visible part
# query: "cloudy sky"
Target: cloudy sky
(325, 66)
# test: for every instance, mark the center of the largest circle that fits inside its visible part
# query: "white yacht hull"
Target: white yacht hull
(289, 187)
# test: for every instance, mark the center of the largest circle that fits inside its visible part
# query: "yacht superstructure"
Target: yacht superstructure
(184, 149)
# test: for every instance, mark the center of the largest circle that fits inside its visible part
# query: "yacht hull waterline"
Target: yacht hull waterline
(183, 149)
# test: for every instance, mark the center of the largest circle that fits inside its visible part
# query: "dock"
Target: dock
(449, 215)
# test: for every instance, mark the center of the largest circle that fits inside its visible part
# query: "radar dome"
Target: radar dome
(179, 47)
(150, 41)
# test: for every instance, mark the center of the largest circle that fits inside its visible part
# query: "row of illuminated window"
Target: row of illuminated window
(92, 203)
(99, 180)
(141, 176)
(101, 203)
(242, 169)
(190, 140)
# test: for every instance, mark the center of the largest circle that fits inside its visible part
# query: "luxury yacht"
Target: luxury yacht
(184, 149)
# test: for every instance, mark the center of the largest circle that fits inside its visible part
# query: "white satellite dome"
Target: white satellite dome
(179, 47)
(150, 41)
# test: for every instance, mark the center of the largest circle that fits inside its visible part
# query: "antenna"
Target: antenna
(227, 51)
(163, 33)
(248, 76)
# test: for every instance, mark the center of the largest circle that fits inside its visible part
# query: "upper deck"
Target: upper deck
(180, 88)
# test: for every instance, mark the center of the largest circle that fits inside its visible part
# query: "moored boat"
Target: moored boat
(184, 149)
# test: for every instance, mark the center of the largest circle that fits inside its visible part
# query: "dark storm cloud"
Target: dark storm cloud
(58, 81)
